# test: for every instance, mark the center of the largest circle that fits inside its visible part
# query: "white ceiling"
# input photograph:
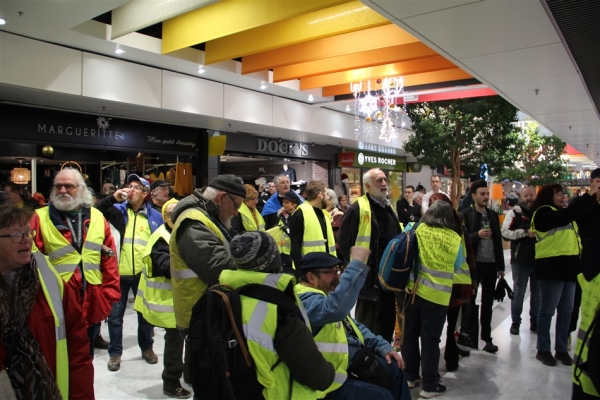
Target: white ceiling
(513, 47)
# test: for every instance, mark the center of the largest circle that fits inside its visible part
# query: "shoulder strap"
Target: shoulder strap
(272, 295)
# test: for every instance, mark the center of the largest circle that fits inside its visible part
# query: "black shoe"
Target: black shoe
(563, 357)
(490, 347)
(451, 367)
(464, 353)
(533, 327)
(440, 390)
(464, 342)
(100, 343)
(514, 328)
(179, 393)
(546, 358)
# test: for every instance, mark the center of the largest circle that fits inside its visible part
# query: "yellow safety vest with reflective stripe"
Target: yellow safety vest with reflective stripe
(363, 238)
(248, 220)
(63, 255)
(561, 241)
(438, 249)
(154, 297)
(463, 275)
(286, 243)
(259, 319)
(590, 303)
(53, 288)
(333, 344)
(135, 240)
(313, 240)
(187, 286)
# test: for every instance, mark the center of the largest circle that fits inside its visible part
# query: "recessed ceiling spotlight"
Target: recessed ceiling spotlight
(119, 51)
(201, 69)
(311, 97)
(2, 21)
(263, 85)
(347, 107)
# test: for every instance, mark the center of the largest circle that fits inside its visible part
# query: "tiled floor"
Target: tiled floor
(513, 373)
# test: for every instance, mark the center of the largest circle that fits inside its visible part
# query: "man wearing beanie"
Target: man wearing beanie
(199, 242)
(280, 343)
(328, 299)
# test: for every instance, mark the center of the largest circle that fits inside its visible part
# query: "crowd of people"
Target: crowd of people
(71, 264)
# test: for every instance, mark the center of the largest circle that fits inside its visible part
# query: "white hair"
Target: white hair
(368, 176)
(211, 193)
(333, 197)
(84, 196)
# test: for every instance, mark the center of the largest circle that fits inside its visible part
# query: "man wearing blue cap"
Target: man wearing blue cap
(132, 221)
(328, 298)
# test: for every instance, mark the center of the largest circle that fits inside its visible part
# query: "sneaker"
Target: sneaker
(490, 347)
(441, 389)
(464, 342)
(150, 356)
(114, 363)
(514, 328)
(563, 357)
(414, 384)
(533, 327)
(100, 343)
(546, 358)
(179, 393)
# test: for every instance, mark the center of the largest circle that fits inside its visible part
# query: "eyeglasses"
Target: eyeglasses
(237, 206)
(136, 188)
(68, 186)
(17, 237)
(335, 271)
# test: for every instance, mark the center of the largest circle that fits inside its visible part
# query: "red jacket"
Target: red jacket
(41, 324)
(98, 300)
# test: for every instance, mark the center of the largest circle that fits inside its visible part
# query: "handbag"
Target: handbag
(6, 389)
(469, 329)
(366, 367)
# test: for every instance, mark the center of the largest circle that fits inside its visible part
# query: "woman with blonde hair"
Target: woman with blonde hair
(249, 219)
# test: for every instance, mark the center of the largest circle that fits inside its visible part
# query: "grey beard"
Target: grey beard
(66, 206)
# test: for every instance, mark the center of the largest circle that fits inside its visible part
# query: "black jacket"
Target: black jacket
(473, 224)
(516, 229)
(408, 213)
(161, 258)
(347, 238)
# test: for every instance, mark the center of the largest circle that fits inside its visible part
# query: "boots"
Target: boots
(100, 343)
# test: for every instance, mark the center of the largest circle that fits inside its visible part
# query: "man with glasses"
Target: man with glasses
(78, 242)
(133, 221)
(328, 298)
(159, 194)
(199, 242)
(310, 225)
(371, 223)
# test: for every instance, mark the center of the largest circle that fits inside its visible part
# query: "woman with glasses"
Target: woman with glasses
(41, 357)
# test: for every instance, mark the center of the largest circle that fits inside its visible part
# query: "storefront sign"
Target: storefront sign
(88, 130)
(282, 147)
(367, 159)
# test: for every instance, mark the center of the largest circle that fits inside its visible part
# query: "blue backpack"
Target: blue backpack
(399, 259)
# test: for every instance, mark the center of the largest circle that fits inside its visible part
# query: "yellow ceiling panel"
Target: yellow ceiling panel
(232, 16)
(387, 55)
(353, 42)
(405, 69)
(410, 80)
(348, 17)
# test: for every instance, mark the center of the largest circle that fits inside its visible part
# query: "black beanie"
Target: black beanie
(230, 184)
(256, 251)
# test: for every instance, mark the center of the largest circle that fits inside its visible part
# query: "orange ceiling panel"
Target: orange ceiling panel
(405, 69)
(354, 42)
(409, 80)
(387, 55)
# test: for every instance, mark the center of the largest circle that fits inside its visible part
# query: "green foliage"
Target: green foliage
(539, 163)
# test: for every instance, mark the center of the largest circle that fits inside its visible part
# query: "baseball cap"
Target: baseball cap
(135, 177)
(158, 183)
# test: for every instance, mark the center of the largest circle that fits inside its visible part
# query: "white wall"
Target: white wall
(423, 177)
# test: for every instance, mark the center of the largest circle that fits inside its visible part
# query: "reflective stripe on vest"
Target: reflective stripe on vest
(63, 255)
(187, 286)
(154, 298)
(248, 220)
(561, 241)
(363, 239)
(135, 239)
(313, 240)
(590, 303)
(438, 250)
(259, 319)
(52, 286)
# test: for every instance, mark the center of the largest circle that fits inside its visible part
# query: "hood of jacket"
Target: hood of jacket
(196, 200)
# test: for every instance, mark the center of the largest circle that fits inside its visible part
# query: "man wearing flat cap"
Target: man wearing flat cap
(288, 363)
(200, 241)
(132, 221)
(328, 298)
(159, 194)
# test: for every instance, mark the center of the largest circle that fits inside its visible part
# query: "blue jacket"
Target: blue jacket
(337, 305)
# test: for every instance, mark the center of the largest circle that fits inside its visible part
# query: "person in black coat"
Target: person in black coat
(407, 210)
(484, 230)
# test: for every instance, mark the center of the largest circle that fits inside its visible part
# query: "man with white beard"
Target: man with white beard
(200, 241)
(77, 240)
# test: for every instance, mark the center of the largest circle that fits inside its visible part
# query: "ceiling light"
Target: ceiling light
(119, 51)
(263, 85)
(201, 69)
(2, 21)
(311, 97)
(347, 107)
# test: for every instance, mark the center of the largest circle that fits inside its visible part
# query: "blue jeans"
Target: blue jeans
(522, 272)
(115, 320)
(555, 295)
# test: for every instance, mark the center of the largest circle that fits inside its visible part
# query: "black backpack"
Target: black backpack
(221, 367)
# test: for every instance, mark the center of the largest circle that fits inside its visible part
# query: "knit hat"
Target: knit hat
(158, 183)
(230, 184)
(134, 177)
(317, 260)
(344, 176)
(595, 173)
(164, 207)
(255, 251)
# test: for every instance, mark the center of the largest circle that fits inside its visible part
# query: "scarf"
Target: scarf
(28, 371)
